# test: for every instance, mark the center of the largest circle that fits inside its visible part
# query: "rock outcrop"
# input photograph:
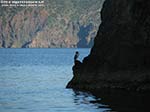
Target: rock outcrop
(120, 57)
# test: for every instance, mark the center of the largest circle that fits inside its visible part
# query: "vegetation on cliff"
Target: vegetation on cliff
(57, 24)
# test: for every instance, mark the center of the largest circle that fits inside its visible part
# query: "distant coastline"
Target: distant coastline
(56, 25)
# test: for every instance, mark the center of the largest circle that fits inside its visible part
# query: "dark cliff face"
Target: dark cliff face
(120, 57)
(123, 37)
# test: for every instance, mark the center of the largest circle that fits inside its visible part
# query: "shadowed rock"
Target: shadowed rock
(120, 57)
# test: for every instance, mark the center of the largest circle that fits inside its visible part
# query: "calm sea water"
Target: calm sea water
(34, 80)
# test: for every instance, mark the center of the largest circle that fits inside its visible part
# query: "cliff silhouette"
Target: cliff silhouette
(120, 57)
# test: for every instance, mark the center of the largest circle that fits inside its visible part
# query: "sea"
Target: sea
(34, 80)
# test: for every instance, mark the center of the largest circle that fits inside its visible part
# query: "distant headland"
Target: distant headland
(58, 24)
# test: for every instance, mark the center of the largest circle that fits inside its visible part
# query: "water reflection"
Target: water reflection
(114, 101)
(84, 98)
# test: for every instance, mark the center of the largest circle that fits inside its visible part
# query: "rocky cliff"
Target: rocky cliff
(120, 57)
(67, 23)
